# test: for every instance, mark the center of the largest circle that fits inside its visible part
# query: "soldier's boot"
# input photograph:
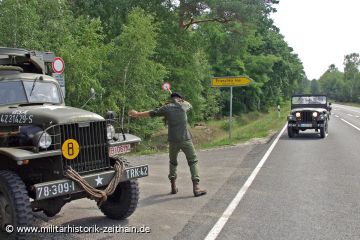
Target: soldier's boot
(174, 189)
(197, 190)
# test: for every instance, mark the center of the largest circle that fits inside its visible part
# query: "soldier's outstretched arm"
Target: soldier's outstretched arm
(136, 114)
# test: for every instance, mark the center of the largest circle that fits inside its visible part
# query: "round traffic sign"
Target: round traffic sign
(166, 86)
(58, 65)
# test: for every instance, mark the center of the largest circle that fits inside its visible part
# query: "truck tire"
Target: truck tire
(290, 131)
(123, 202)
(15, 207)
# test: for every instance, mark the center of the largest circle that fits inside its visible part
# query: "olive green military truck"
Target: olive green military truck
(51, 154)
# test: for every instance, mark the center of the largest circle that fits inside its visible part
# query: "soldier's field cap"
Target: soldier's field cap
(174, 94)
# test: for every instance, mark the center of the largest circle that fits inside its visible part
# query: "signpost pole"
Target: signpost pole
(230, 119)
(239, 81)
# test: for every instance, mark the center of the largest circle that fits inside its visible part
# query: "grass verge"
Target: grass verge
(215, 133)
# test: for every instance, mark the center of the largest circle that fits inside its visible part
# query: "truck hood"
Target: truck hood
(308, 109)
(45, 114)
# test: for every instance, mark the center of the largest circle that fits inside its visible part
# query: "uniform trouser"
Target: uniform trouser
(188, 148)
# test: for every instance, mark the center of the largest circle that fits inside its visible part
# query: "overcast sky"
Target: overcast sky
(321, 32)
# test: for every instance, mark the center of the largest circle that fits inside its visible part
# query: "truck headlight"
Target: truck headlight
(44, 141)
(298, 114)
(110, 131)
(315, 114)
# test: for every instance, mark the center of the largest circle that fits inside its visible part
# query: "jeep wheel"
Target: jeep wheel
(323, 130)
(15, 208)
(290, 131)
(123, 202)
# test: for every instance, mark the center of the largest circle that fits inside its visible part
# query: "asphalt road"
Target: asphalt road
(308, 188)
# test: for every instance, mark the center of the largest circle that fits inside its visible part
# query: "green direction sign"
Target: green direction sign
(238, 81)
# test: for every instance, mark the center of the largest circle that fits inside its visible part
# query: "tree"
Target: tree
(198, 12)
(19, 23)
(137, 77)
(315, 87)
(351, 75)
(127, 49)
(332, 83)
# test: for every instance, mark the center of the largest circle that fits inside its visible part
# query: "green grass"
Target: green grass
(249, 126)
(215, 133)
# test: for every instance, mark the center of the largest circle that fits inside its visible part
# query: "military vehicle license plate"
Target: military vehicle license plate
(305, 125)
(67, 186)
(120, 149)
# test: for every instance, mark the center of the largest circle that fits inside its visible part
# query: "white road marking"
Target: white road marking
(350, 124)
(357, 116)
(350, 115)
(336, 116)
(348, 109)
(214, 232)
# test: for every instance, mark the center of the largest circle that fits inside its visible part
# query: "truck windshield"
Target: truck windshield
(309, 100)
(18, 92)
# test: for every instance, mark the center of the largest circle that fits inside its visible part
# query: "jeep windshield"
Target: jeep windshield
(25, 92)
(309, 100)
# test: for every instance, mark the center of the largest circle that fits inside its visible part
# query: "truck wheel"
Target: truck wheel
(290, 131)
(123, 202)
(15, 208)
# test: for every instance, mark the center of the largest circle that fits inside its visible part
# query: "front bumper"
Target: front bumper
(66, 186)
(300, 125)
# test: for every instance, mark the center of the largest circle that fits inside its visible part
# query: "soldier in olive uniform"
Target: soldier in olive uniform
(179, 138)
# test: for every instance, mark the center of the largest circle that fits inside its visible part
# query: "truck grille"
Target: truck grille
(306, 117)
(92, 139)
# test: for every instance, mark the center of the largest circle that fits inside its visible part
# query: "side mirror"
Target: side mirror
(329, 103)
(92, 97)
(110, 115)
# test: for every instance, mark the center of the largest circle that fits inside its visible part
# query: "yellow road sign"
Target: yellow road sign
(70, 149)
(231, 81)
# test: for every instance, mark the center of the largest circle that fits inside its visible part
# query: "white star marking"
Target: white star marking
(98, 180)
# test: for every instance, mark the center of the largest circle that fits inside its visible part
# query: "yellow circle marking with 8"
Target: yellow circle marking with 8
(70, 149)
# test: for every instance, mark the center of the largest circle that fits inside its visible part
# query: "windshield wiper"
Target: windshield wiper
(33, 86)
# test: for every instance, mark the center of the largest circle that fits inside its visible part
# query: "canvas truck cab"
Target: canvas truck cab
(50, 153)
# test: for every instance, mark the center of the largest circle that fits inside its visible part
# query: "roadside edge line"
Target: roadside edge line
(219, 225)
(350, 124)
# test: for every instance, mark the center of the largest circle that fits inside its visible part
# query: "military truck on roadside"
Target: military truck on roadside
(50, 153)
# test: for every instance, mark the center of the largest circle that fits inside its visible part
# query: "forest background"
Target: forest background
(125, 50)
